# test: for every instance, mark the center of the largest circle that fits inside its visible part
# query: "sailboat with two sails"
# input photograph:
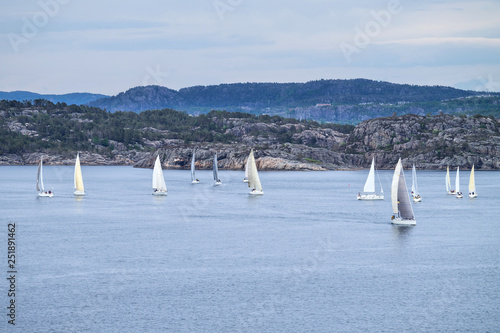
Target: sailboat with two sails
(448, 183)
(369, 192)
(457, 184)
(39, 183)
(414, 186)
(401, 204)
(253, 176)
(216, 172)
(194, 180)
(472, 184)
(159, 186)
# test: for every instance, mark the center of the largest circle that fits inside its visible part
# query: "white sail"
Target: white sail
(370, 181)
(395, 186)
(369, 188)
(78, 179)
(39, 182)
(193, 177)
(457, 181)
(39, 178)
(400, 199)
(447, 179)
(253, 176)
(158, 180)
(216, 170)
(472, 184)
(404, 205)
(414, 185)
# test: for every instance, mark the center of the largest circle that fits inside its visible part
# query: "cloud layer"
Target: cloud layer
(60, 46)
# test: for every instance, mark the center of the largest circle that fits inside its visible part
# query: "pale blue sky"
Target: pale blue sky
(62, 46)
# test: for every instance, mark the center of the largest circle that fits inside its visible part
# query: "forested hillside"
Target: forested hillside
(341, 101)
(337, 101)
(43, 125)
(29, 131)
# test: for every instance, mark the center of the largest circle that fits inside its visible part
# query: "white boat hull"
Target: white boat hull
(217, 183)
(79, 193)
(45, 194)
(459, 196)
(370, 197)
(452, 193)
(401, 221)
(245, 180)
(195, 181)
(160, 193)
(473, 195)
(417, 199)
(255, 192)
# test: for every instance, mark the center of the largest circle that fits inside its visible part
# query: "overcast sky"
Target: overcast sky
(62, 46)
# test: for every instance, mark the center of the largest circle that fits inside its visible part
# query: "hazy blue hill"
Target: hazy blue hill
(72, 98)
(340, 101)
(240, 94)
(141, 99)
(261, 96)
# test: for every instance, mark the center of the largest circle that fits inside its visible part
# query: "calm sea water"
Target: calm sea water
(305, 257)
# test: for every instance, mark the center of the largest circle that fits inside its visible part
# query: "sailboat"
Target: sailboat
(253, 176)
(78, 179)
(448, 183)
(159, 186)
(245, 179)
(414, 187)
(472, 184)
(401, 204)
(39, 183)
(457, 184)
(369, 189)
(216, 171)
(194, 180)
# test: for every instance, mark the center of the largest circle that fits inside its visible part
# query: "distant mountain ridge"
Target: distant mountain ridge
(341, 101)
(259, 97)
(71, 98)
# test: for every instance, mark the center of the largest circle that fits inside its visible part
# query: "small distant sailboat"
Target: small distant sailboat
(253, 176)
(414, 186)
(159, 186)
(78, 179)
(216, 171)
(472, 184)
(194, 180)
(369, 189)
(457, 184)
(401, 204)
(245, 179)
(39, 183)
(447, 181)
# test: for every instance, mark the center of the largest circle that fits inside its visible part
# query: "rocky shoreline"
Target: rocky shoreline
(230, 157)
(429, 142)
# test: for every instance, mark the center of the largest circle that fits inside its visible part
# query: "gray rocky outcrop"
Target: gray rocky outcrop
(430, 142)
(232, 157)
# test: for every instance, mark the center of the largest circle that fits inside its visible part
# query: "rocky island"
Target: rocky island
(57, 131)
